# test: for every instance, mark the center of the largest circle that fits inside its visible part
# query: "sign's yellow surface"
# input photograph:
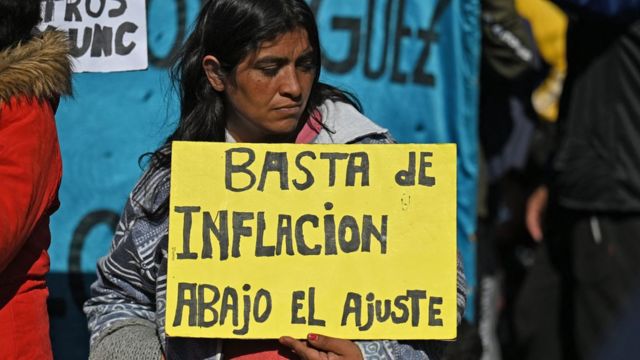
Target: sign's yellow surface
(351, 241)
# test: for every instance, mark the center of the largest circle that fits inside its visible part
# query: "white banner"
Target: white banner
(105, 35)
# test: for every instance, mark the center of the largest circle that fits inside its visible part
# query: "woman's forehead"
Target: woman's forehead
(296, 38)
(290, 44)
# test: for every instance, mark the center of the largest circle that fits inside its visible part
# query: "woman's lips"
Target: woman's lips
(289, 109)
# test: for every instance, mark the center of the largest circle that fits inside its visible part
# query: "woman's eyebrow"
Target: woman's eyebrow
(281, 60)
(308, 54)
(271, 60)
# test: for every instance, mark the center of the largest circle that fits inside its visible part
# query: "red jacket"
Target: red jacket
(32, 75)
(30, 172)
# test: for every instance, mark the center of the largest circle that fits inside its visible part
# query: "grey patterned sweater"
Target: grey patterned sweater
(126, 311)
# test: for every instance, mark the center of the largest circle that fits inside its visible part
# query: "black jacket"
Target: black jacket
(597, 165)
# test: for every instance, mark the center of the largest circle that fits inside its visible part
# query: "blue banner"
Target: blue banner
(412, 63)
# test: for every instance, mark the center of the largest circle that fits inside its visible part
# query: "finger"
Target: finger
(536, 206)
(299, 348)
(329, 344)
(533, 224)
(287, 341)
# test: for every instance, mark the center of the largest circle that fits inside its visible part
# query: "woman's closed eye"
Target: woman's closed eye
(306, 62)
(270, 71)
(270, 66)
(306, 66)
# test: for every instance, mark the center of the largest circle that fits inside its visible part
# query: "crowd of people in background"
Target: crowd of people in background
(558, 229)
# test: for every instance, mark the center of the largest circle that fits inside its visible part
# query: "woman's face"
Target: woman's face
(268, 92)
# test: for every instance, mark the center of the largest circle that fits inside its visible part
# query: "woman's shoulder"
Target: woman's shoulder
(152, 190)
(376, 139)
(39, 68)
(344, 124)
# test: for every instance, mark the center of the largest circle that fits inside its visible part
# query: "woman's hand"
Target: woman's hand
(536, 206)
(320, 347)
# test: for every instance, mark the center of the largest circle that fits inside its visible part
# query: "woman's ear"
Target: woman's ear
(212, 69)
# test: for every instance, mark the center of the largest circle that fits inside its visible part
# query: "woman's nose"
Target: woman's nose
(290, 85)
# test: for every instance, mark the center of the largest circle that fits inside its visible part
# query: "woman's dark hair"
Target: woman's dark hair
(230, 30)
(18, 18)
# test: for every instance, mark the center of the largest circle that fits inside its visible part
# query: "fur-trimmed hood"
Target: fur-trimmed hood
(40, 68)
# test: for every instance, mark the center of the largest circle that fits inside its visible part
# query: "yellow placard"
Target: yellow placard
(351, 241)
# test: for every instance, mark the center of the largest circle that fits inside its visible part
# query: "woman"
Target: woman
(248, 73)
(34, 71)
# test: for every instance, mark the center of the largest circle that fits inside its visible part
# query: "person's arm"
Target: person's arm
(30, 171)
(508, 47)
(122, 308)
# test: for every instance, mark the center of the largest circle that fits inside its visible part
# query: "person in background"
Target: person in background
(592, 199)
(249, 72)
(523, 68)
(34, 71)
